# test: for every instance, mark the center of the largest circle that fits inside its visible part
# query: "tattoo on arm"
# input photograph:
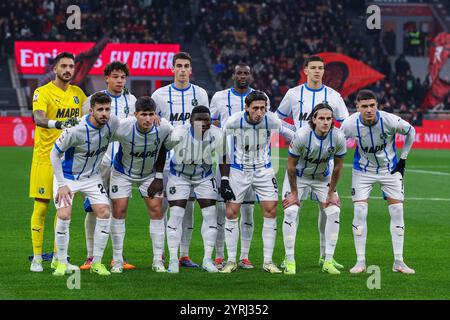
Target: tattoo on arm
(40, 118)
(292, 173)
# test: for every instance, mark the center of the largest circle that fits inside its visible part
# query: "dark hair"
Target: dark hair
(366, 94)
(314, 112)
(255, 95)
(145, 103)
(200, 109)
(181, 55)
(116, 65)
(100, 98)
(63, 55)
(311, 59)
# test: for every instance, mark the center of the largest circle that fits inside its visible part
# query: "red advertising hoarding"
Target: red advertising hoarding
(142, 59)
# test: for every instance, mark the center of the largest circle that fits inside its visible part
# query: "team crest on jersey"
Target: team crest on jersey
(353, 191)
(287, 194)
(194, 102)
(76, 100)
(126, 110)
(35, 97)
(331, 150)
(41, 190)
(172, 190)
(383, 135)
(114, 188)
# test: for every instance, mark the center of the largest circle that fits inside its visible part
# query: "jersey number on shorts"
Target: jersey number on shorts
(213, 182)
(102, 188)
(275, 185)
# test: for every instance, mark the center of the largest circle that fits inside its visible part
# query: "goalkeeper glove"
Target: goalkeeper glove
(400, 167)
(225, 190)
(70, 122)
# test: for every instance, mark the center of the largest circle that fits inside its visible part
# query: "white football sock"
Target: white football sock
(157, 235)
(269, 235)
(220, 239)
(118, 237)
(89, 228)
(101, 236)
(331, 235)
(188, 227)
(62, 239)
(165, 210)
(397, 229)
(359, 227)
(247, 227)
(173, 230)
(290, 231)
(321, 223)
(231, 238)
(209, 230)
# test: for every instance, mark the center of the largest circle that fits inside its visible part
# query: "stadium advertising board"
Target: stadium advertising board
(142, 59)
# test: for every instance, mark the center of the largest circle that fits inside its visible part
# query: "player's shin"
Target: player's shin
(89, 228)
(62, 239)
(331, 230)
(37, 227)
(188, 228)
(174, 226)
(118, 237)
(321, 223)
(359, 227)
(101, 236)
(157, 234)
(397, 227)
(247, 227)
(269, 235)
(220, 239)
(231, 238)
(209, 230)
(290, 230)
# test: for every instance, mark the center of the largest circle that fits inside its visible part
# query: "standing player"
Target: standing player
(55, 106)
(376, 161)
(224, 104)
(174, 103)
(191, 169)
(249, 133)
(122, 103)
(310, 154)
(83, 147)
(135, 163)
(298, 103)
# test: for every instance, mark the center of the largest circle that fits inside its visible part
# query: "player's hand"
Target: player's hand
(155, 187)
(70, 122)
(64, 196)
(225, 190)
(332, 199)
(290, 200)
(400, 167)
(155, 120)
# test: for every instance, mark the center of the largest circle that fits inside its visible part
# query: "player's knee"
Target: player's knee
(332, 210)
(270, 212)
(102, 212)
(290, 213)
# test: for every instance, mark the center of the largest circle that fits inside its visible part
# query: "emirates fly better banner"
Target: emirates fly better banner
(142, 59)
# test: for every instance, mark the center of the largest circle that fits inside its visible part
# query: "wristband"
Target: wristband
(225, 178)
(54, 124)
(159, 175)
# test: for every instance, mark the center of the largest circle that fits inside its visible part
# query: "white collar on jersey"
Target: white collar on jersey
(369, 125)
(111, 95)
(178, 89)
(314, 90)
(241, 94)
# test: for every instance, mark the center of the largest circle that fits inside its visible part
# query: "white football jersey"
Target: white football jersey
(227, 102)
(299, 102)
(375, 151)
(122, 106)
(248, 145)
(84, 146)
(138, 151)
(175, 105)
(193, 158)
(316, 152)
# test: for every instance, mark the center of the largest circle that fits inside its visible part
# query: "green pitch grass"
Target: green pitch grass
(426, 249)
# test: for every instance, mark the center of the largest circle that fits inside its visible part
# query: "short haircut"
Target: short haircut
(242, 64)
(63, 55)
(145, 103)
(366, 94)
(181, 55)
(200, 109)
(311, 59)
(99, 98)
(255, 95)
(116, 65)
(314, 112)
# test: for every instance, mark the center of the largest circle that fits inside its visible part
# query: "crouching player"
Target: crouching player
(83, 147)
(136, 163)
(191, 168)
(310, 153)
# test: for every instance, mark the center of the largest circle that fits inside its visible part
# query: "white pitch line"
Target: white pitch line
(438, 173)
(406, 199)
